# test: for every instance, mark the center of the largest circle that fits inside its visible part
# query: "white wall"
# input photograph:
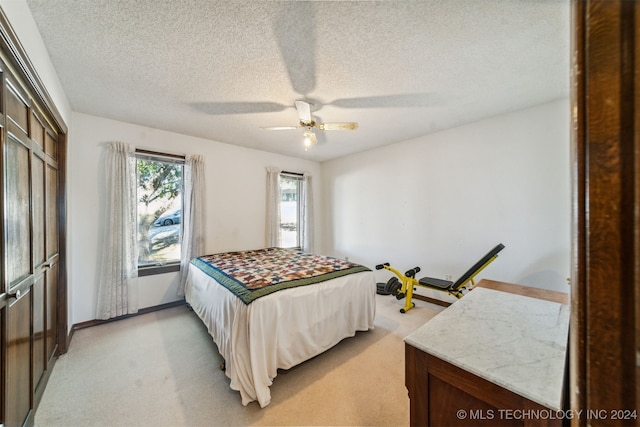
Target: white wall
(443, 200)
(235, 182)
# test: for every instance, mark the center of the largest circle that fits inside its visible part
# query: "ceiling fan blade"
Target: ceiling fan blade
(279, 127)
(338, 126)
(304, 111)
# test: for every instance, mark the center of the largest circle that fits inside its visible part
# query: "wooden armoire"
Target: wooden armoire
(33, 314)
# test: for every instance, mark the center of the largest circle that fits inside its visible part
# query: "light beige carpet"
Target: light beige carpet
(162, 369)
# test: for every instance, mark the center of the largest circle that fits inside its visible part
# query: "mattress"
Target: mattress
(281, 329)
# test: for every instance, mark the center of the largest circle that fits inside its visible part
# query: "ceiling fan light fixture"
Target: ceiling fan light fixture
(307, 122)
(309, 139)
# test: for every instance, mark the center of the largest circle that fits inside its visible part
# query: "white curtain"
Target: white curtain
(117, 289)
(273, 208)
(306, 228)
(193, 215)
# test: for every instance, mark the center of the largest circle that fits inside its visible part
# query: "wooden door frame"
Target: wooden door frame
(18, 59)
(605, 292)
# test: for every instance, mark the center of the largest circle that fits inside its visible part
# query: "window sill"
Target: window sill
(158, 269)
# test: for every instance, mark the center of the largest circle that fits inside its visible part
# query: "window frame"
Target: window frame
(172, 266)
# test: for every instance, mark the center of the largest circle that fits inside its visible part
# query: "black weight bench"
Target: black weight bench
(455, 288)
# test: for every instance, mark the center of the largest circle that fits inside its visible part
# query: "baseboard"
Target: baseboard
(146, 310)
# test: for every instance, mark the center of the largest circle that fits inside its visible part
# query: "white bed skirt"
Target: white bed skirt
(280, 330)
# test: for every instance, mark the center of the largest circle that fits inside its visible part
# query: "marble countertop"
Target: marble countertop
(514, 341)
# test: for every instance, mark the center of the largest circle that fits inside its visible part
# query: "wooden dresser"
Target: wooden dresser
(494, 358)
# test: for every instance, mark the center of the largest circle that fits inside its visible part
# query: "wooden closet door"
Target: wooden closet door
(33, 303)
(40, 256)
(48, 241)
(31, 244)
(19, 272)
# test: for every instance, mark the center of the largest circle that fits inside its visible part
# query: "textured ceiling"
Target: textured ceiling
(220, 70)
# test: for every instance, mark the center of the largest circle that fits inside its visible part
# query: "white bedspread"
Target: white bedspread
(280, 330)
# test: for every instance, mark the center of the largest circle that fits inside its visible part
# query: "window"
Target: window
(159, 211)
(289, 219)
(290, 186)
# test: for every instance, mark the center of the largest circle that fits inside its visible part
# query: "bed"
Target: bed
(273, 308)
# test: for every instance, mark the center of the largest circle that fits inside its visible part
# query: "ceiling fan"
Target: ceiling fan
(306, 121)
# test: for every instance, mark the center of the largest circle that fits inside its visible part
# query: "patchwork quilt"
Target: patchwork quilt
(256, 273)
